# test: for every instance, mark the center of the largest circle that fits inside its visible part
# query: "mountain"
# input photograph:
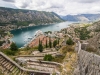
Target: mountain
(82, 17)
(25, 17)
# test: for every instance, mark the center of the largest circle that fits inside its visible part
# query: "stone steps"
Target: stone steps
(9, 67)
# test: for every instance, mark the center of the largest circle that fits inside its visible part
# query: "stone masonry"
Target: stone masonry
(88, 63)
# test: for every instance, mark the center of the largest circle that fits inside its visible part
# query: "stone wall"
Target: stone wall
(88, 63)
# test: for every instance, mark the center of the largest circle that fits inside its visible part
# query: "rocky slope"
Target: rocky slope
(25, 17)
(87, 33)
(82, 17)
(95, 33)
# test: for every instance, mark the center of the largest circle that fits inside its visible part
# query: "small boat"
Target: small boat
(30, 38)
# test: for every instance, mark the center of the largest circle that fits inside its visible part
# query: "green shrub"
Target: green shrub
(1, 42)
(69, 41)
(13, 47)
(48, 57)
(9, 52)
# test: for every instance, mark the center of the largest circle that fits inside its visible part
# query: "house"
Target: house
(39, 32)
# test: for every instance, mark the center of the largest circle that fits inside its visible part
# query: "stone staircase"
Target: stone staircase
(9, 67)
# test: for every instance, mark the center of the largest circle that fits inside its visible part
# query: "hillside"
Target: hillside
(26, 17)
(89, 33)
(82, 17)
(87, 47)
(95, 33)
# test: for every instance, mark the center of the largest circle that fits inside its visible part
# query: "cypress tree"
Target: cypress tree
(54, 43)
(13, 47)
(50, 43)
(58, 41)
(40, 47)
(46, 44)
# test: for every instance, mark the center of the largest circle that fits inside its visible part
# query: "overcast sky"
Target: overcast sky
(61, 7)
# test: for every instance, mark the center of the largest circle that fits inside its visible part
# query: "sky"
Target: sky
(61, 7)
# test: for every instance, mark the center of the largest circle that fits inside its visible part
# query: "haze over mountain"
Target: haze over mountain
(82, 17)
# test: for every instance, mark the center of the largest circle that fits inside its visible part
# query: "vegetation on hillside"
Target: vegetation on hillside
(2, 33)
(83, 33)
(1, 42)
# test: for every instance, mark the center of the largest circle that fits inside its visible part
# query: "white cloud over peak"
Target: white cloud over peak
(61, 7)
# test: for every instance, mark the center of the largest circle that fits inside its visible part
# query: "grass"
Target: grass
(1, 71)
(26, 51)
(23, 51)
(58, 59)
(69, 63)
(69, 60)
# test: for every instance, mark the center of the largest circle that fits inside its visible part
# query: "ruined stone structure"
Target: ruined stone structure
(9, 67)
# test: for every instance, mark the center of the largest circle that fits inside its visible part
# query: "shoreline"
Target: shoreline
(34, 26)
(33, 37)
(25, 45)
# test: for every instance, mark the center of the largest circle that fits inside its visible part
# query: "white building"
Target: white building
(39, 32)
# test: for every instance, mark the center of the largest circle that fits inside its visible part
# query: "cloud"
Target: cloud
(7, 4)
(87, 1)
(84, 1)
(9, 0)
(24, 5)
(61, 7)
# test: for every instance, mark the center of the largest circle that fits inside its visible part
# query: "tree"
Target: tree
(58, 41)
(46, 44)
(40, 47)
(50, 43)
(13, 47)
(10, 52)
(27, 47)
(54, 43)
(48, 57)
(69, 41)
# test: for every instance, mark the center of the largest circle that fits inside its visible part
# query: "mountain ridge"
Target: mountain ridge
(25, 17)
(82, 17)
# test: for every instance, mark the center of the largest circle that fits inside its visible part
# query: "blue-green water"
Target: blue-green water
(21, 36)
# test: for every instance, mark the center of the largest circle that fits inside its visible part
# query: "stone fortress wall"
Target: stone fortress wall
(88, 63)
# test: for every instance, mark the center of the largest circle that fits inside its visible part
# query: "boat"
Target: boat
(29, 37)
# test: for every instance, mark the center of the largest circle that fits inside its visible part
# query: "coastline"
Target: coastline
(34, 26)
(63, 24)
(25, 45)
